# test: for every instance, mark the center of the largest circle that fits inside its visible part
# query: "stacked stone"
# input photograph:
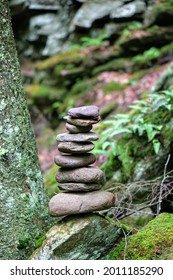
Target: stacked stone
(78, 179)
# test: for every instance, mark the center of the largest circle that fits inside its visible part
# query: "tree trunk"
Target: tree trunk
(23, 204)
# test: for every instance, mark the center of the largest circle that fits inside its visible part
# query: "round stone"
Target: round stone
(71, 161)
(84, 112)
(80, 137)
(81, 122)
(75, 148)
(82, 187)
(64, 204)
(88, 174)
(78, 129)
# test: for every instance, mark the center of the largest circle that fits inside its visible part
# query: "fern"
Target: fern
(136, 122)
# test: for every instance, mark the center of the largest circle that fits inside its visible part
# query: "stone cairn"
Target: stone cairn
(78, 179)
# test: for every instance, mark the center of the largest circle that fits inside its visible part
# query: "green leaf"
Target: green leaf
(168, 106)
(105, 145)
(156, 145)
(99, 152)
(152, 130)
(120, 131)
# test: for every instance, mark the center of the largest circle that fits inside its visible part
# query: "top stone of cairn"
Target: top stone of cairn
(84, 112)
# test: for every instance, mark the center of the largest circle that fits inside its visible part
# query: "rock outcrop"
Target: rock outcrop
(81, 237)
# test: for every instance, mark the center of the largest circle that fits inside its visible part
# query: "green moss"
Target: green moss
(82, 86)
(167, 49)
(108, 109)
(160, 10)
(118, 64)
(23, 243)
(39, 241)
(50, 182)
(36, 91)
(119, 224)
(71, 56)
(149, 243)
(113, 86)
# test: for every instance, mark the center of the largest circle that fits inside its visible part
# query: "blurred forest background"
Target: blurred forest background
(118, 56)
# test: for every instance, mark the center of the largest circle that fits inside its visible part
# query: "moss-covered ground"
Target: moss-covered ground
(152, 242)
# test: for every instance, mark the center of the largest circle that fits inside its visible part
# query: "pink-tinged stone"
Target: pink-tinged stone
(80, 137)
(89, 174)
(71, 161)
(81, 122)
(88, 112)
(78, 129)
(75, 148)
(82, 187)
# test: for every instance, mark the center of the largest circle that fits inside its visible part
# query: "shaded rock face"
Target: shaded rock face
(130, 10)
(86, 237)
(92, 11)
(46, 23)
(49, 27)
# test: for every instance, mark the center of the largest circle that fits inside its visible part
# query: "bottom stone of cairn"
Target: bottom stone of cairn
(64, 204)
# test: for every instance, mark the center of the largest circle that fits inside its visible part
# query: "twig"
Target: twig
(162, 186)
(125, 238)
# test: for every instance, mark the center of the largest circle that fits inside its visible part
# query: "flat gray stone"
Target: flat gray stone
(84, 112)
(75, 187)
(129, 10)
(78, 129)
(81, 122)
(63, 204)
(79, 237)
(75, 148)
(71, 161)
(88, 174)
(91, 11)
(80, 137)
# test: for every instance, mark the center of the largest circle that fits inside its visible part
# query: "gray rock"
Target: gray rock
(63, 204)
(83, 237)
(84, 112)
(18, 6)
(71, 161)
(80, 137)
(81, 122)
(75, 187)
(41, 5)
(78, 129)
(88, 174)
(129, 10)
(92, 11)
(75, 148)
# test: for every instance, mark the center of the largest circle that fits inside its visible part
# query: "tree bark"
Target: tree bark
(23, 203)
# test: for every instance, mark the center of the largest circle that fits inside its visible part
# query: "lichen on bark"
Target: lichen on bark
(23, 214)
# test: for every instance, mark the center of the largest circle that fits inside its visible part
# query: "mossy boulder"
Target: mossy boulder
(160, 13)
(152, 242)
(50, 182)
(80, 237)
(138, 40)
